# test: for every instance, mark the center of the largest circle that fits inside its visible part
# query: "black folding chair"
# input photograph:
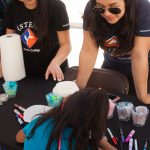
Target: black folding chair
(112, 81)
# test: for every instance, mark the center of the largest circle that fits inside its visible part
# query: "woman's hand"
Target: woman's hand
(55, 70)
(60, 57)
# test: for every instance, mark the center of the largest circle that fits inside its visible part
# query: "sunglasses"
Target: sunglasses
(111, 10)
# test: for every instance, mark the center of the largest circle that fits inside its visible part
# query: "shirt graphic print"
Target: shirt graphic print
(29, 38)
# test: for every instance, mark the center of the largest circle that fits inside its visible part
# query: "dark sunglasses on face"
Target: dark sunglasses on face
(111, 10)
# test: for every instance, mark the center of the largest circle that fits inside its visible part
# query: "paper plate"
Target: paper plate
(34, 111)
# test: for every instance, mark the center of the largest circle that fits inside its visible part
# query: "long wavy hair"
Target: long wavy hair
(41, 22)
(99, 27)
(85, 112)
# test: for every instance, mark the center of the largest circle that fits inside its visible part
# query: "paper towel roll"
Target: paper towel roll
(12, 61)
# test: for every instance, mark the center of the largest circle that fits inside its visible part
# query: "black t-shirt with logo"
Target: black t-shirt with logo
(142, 27)
(21, 19)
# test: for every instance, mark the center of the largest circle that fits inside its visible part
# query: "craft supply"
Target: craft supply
(121, 146)
(10, 88)
(145, 145)
(112, 137)
(19, 107)
(3, 97)
(13, 68)
(130, 136)
(20, 121)
(124, 110)
(65, 88)
(35, 111)
(53, 100)
(116, 99)
(122, 136)
(139, 115)
(130, 144)
(18, 113)
(135, 144)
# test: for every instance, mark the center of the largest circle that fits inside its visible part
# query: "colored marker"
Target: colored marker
(135, 144)
(145, 145)
(20, 121)
(116, 99)
(122, 136)
(121, 147)
(19, 107)
(112, 137)
(18, 113)
(130, 144)
(130, 136)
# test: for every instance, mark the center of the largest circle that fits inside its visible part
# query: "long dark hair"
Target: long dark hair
(98, 27)
(41, 22)
(85, 112)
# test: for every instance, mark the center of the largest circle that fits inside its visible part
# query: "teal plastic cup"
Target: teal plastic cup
(10, 88)
(53, 100)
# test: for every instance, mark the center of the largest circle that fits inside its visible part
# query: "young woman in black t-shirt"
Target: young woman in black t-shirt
(44, 29)
(122, 29)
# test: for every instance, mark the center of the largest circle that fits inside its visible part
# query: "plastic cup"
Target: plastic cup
(10, 88)
(53, 100)
(111, 109)
(124, 110)
(139, 115)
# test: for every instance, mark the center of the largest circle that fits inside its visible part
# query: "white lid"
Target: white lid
(65, 88)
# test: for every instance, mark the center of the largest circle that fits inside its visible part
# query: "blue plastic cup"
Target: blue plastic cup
(53, 100)
(10, 88)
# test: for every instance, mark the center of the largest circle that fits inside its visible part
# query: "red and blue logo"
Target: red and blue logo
(29, 38)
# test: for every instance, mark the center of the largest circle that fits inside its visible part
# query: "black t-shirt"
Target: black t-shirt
(3, 5)
(142, 27)
(21, 19)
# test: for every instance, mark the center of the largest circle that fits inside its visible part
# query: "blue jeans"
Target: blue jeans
(123, 66)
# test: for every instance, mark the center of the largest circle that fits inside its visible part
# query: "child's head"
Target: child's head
(85, 112)
(86, 108)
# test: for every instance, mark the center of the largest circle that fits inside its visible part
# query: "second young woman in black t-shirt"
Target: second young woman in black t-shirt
(122, 29)
(44, 30)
